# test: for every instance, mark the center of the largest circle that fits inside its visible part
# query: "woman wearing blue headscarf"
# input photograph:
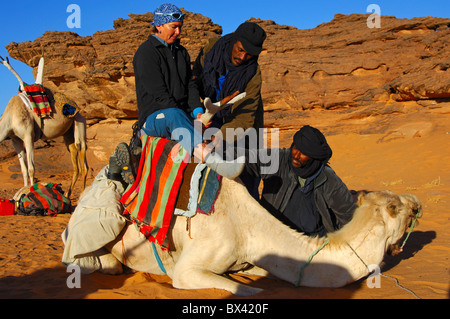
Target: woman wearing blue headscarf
(164, 87)
(167, 96)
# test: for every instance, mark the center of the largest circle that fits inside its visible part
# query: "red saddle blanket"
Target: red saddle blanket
(150, 201)
(38, 99)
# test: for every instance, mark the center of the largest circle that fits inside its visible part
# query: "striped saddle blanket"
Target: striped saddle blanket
(38, 99)
(44, 200)
(150, 200)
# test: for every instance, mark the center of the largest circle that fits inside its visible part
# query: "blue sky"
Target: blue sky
(27, 20)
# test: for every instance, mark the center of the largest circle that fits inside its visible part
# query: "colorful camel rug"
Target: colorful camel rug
(38, 99)
(44, 200)
(150, 201)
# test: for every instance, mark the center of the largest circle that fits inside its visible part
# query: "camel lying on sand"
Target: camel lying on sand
(242, 235)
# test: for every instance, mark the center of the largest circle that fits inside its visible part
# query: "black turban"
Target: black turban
(252, 37)
(311, 142)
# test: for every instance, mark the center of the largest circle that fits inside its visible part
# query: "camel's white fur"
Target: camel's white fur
(24, 128)
(241, 234)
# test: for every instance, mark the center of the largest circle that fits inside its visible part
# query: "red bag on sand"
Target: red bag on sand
(6, 207)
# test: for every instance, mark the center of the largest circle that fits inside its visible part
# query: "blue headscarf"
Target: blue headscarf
(162, 14)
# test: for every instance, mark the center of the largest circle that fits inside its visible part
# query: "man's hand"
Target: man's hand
(199, 118)
(201, 151)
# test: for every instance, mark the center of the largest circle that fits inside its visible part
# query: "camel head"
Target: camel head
(397, 212)
(39, 75)
(6, 63)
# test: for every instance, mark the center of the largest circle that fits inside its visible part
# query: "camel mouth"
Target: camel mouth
(413, 218)
(394, 249)
(413, 221)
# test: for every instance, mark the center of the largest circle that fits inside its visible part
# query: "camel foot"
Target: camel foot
(109, 264)
(201, 279)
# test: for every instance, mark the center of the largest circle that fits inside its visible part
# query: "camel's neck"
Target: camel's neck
(275, 247)
(282, 252)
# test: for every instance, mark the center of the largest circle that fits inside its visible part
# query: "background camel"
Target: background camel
(242, 234)
(24, 127)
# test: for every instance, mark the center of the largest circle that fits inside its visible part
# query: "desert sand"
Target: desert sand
(411, 156)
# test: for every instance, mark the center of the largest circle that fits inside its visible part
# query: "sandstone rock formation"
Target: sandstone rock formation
(97, 71)
(340, 72)
(344, 63)
(337, 65)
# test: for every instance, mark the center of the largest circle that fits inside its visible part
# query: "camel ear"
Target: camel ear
(413, 203)
(392, 209)
(361, 198)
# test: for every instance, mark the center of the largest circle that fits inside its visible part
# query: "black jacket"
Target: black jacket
(163, 79)
(333, 199)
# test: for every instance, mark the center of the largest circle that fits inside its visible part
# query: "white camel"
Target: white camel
(24, 127)
(241, 234)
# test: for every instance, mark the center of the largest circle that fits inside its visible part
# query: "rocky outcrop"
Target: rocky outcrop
(341, 64)
(97, 71)
(344, 63)
(340, 77)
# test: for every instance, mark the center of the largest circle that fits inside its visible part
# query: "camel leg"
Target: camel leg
(135, 251)
(255, 270)
(83, 163)
(74, 157)
(20, 150)
(75, 140)
(187, 276)
(29, 149)
(80, 141)
(109, 264)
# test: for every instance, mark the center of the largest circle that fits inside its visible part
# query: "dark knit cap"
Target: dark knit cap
(252, 37)
(311, 142)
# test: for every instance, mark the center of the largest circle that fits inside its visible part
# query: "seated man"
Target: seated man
(304, 192)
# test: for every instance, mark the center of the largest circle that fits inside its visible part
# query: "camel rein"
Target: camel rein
(386, 276)
(309, 261)
(401, 247)
(410, 229)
